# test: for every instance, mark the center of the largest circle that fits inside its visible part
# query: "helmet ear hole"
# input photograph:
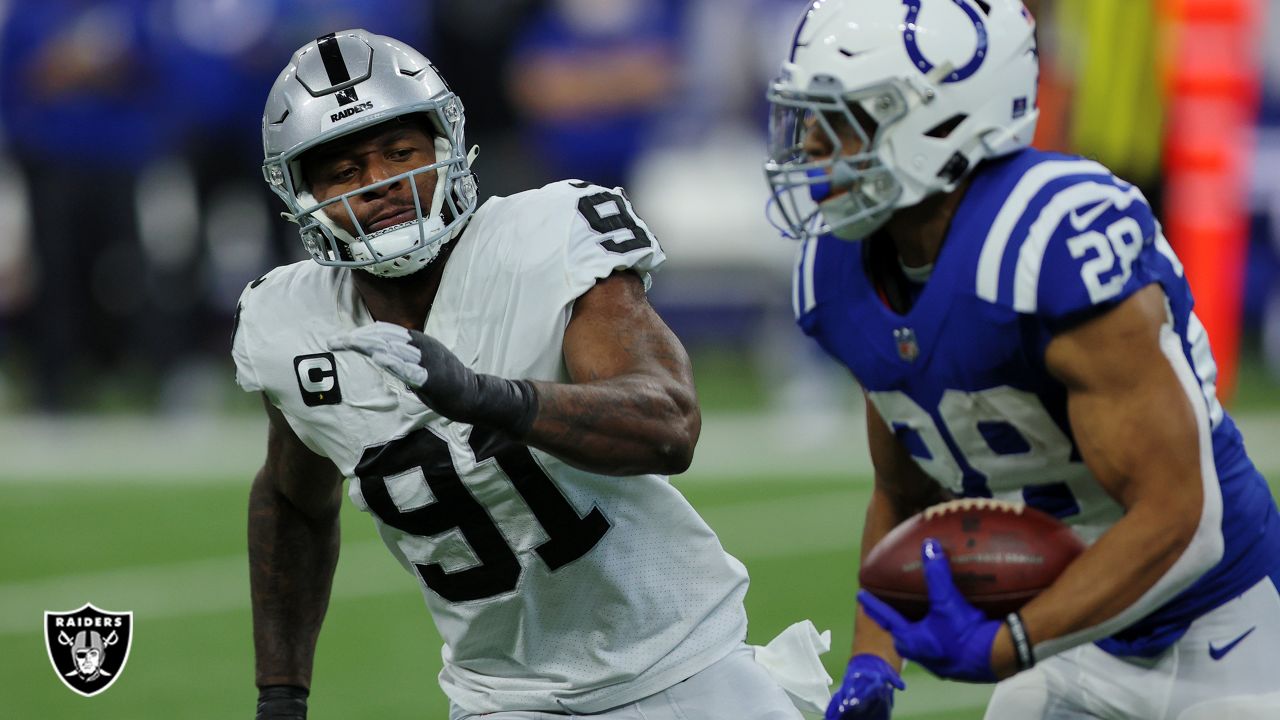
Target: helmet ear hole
(864, 118)
(955, 168)
(944, 129)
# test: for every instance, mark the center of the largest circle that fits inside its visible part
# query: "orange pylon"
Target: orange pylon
(1213, 78)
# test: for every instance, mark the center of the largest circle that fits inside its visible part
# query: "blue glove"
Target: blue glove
(954, 640)
(867, 690)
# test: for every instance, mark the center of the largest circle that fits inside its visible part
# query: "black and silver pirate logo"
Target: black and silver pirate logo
(88, 647)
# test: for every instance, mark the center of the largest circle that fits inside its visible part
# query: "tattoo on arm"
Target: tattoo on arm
(293, 551)
(631, 406)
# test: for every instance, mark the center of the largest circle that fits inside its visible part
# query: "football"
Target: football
(1002, 555)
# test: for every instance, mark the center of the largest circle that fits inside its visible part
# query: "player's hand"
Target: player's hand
(423, 363)
(867, 690)
(954, 640)
(440, 380)
(282, 702)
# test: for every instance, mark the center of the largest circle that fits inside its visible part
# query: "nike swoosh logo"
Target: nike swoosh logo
(1081, 222)
(1217, 653)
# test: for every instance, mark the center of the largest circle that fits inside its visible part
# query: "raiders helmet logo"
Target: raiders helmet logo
(88, 647)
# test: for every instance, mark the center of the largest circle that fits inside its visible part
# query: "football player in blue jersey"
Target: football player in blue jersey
(1022, 330)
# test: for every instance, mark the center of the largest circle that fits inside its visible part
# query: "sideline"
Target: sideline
(148, 450)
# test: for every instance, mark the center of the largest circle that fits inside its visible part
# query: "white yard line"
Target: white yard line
(182, 589)
(155, 450)
(150, 450)
(129, 449)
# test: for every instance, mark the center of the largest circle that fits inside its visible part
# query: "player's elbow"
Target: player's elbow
(1191, 533)
(272, 497)
(1199, 527)
(675, 457)
(674, 452)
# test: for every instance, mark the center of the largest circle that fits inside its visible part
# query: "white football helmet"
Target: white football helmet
(345, 82)
(943, 83)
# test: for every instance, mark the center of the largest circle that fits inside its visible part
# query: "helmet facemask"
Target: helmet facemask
(850, 192)
(401, 249)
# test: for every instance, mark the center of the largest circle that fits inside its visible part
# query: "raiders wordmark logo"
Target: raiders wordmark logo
(88, 647)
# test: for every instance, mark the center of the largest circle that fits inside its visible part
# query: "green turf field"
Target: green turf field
(175, 557)
(173, 553)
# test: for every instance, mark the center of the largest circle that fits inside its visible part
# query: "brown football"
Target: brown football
(1002, 555)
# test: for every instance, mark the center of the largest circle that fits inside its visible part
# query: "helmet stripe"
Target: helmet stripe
(336, 67)
(795, 41)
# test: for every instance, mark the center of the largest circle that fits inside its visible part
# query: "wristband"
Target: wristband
(510, 405)
(282, 702)
(1021, 643)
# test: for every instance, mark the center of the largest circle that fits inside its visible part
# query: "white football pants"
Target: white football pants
(734, 688)
(1227, 667)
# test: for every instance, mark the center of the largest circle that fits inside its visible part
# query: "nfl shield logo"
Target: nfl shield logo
(88, 647)
(905, 338)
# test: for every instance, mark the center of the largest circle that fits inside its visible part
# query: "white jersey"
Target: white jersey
(552, 587)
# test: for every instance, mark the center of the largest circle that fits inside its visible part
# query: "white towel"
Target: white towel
(793, 660)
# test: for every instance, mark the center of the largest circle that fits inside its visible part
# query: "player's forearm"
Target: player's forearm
(625, 425)
(1126, 574)
(291, 563)
(1138, 430)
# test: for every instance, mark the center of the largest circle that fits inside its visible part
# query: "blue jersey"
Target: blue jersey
(1039, 242)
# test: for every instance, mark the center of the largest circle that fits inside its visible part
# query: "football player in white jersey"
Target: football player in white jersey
(504, 402)
(1022, 330)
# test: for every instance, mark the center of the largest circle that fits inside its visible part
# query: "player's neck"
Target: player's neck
(919, 231)
(404, 301)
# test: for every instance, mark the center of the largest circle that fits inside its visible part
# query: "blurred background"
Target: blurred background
(133, 212)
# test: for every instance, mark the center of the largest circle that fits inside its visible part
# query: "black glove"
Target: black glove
(441, 381)
(282, 702)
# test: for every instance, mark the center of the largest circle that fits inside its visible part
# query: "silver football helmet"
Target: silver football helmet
(926, 90)
(345, 82)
